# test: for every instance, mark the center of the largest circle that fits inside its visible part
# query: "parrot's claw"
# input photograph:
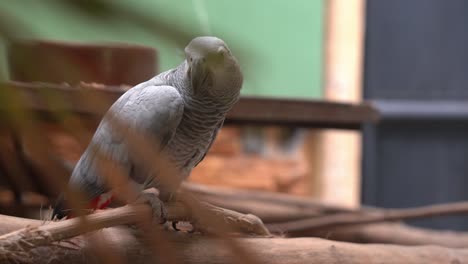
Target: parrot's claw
(185, 228)
(174, 225)
(158, 207)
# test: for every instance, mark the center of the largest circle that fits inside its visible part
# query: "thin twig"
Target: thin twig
(371, 216)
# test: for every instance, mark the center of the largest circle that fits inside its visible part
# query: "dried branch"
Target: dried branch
(318, 216)
(372, 216)
(273, 208)
(392, 233)
(32, 237)
(29, 238)
(269, 206)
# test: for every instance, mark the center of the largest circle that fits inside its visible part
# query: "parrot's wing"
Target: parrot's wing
(152, 110)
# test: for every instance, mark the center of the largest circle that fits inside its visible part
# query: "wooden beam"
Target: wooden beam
(335, 155)
(249, 110)
(417, 110)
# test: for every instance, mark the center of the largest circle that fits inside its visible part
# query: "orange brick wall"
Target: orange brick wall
(226, 164)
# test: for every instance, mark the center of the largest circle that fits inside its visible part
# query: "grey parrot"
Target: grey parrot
(183, 108)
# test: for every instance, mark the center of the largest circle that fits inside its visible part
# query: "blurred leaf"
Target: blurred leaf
(111, 10)
(11, 27)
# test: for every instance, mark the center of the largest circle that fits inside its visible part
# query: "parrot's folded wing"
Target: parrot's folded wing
(152, 110)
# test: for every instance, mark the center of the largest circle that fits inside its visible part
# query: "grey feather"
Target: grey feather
(154, 110)
(213, 138)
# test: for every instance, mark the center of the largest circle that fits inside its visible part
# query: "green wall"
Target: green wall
(279, 42)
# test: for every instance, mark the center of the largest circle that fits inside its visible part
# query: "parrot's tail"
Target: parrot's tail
(59, 210)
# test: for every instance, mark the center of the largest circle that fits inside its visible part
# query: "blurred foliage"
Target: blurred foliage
(102, 21)
(92, 21)
(278, 43)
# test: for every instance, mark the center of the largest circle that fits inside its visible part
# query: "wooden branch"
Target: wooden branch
(274, 208)
(249, 110)
(270, 207)
(319, 216)
(373, 216)
(392, 233)
(199, 249)
(273, 204)
(42, 235)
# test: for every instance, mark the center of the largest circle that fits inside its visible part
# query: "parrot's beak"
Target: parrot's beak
(198, 73)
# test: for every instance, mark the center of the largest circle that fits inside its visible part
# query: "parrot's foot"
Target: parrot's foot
(158, 207)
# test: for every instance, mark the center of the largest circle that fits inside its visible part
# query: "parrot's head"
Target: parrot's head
(212, 68)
